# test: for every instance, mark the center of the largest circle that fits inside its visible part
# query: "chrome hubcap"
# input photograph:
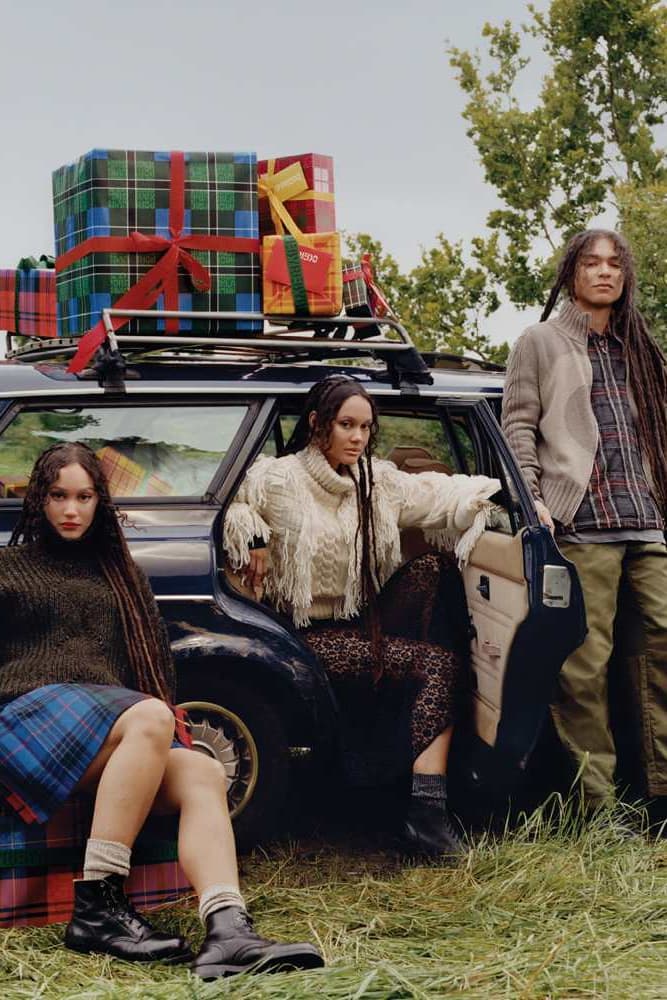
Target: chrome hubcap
(223, 736)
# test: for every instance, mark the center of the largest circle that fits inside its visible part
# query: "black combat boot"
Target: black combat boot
(429, 830)
(231, 945)
(105, 921)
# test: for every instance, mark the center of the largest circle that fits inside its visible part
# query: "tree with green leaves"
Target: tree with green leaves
(588, 146)
(445, 299)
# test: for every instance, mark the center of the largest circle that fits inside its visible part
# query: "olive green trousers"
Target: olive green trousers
(581, 710)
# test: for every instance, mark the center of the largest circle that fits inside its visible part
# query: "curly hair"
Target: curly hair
(324, 400)
(116, 563)
(645, 360)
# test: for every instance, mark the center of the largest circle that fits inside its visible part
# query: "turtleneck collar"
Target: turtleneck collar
(317, 466)
(79, 550)
(574, 321)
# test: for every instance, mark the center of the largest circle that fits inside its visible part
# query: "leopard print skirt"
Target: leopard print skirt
(413, 615)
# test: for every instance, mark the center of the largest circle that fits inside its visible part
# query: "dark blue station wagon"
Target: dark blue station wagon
(177, 430)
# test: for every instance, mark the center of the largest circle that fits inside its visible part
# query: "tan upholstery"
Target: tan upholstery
(400, 452)
(499, 558)
(414, 459)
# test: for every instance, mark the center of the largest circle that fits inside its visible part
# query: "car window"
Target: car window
(478, 455)
(422, 434)
(145, 450)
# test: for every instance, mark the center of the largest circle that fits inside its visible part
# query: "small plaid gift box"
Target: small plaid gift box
(39, 861)
(302, 278)
(142, 230)
(355, 293)
(301, 186)
(361, 295)
(28, 298)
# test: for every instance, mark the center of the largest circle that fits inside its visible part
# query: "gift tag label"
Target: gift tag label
(314, 264)
(287, 183)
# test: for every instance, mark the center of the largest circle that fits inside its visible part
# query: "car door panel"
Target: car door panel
(521, 636)
(497, 596)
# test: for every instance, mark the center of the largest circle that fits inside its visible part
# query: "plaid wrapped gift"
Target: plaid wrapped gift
(38, 863)
(128, 478)
(28, 298)
(303, 187)
(302, 278)
(162, 230)
(362, 296)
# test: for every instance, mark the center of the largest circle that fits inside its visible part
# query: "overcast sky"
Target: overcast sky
(368, 83)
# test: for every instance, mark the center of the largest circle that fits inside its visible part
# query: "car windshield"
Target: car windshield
(145, 450)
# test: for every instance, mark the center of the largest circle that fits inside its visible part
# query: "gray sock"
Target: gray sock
(105, 857)
(217, 897)
(430, 786)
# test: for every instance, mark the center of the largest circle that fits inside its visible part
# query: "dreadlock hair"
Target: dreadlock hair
(114, 557)
(646, 362)
(314, 426)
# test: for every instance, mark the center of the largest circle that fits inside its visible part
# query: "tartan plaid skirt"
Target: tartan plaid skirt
(48, 738)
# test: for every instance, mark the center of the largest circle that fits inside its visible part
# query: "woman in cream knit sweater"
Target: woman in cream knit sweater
(320, 527)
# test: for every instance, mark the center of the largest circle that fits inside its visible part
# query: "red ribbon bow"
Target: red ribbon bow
(162, 279)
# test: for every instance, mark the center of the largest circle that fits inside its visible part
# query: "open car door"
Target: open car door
(526, 614)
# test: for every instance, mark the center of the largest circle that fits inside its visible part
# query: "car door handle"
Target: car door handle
(484, 587)
(492, 649)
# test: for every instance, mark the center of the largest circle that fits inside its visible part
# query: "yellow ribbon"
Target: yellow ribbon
(293, 181)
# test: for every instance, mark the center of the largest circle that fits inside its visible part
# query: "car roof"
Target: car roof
(178, 376)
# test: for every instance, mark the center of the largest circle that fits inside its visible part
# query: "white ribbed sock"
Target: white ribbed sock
(217, 897)
(105, 857)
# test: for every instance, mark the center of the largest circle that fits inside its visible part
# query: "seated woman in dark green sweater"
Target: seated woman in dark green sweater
(86, 678)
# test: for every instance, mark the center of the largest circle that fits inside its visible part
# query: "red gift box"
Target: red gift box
(303, 186)
(28, 300)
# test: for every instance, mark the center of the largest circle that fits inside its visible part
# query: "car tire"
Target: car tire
(244, 732)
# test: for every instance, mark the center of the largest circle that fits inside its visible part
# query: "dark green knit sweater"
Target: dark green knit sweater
(59, 621)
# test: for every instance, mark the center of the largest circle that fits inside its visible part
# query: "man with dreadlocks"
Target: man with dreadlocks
(332, 515)
(584, 411)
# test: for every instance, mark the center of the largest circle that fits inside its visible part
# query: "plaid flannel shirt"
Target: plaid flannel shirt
(618, 494)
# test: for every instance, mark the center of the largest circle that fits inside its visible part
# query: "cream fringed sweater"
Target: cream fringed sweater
(307, 514)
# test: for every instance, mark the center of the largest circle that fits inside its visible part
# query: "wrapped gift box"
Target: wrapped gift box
(28, 299)
(39, 861)
(361, 295)
(128, 478)
(139, 229)
(304, 186)
(302, 278)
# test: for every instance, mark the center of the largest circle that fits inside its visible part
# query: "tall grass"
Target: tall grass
(556, 909)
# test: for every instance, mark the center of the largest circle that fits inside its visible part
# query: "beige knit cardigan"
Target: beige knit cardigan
(307, 514)
(547, 412)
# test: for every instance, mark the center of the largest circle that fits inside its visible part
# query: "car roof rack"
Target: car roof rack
(462, 362)
(281, 340)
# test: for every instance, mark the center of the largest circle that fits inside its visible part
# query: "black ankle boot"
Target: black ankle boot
(231, 945)
(428, 829)
(105, 921)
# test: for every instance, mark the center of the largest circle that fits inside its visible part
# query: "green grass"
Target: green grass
(571, 912)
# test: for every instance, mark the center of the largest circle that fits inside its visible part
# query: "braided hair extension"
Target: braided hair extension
(646, 362)
(116, 563)
(324, 400)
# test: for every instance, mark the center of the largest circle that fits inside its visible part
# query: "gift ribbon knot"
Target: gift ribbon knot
(277, 191)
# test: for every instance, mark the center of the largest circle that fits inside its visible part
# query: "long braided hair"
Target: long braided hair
(324, 400)
(116, 563)
(645, 360)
